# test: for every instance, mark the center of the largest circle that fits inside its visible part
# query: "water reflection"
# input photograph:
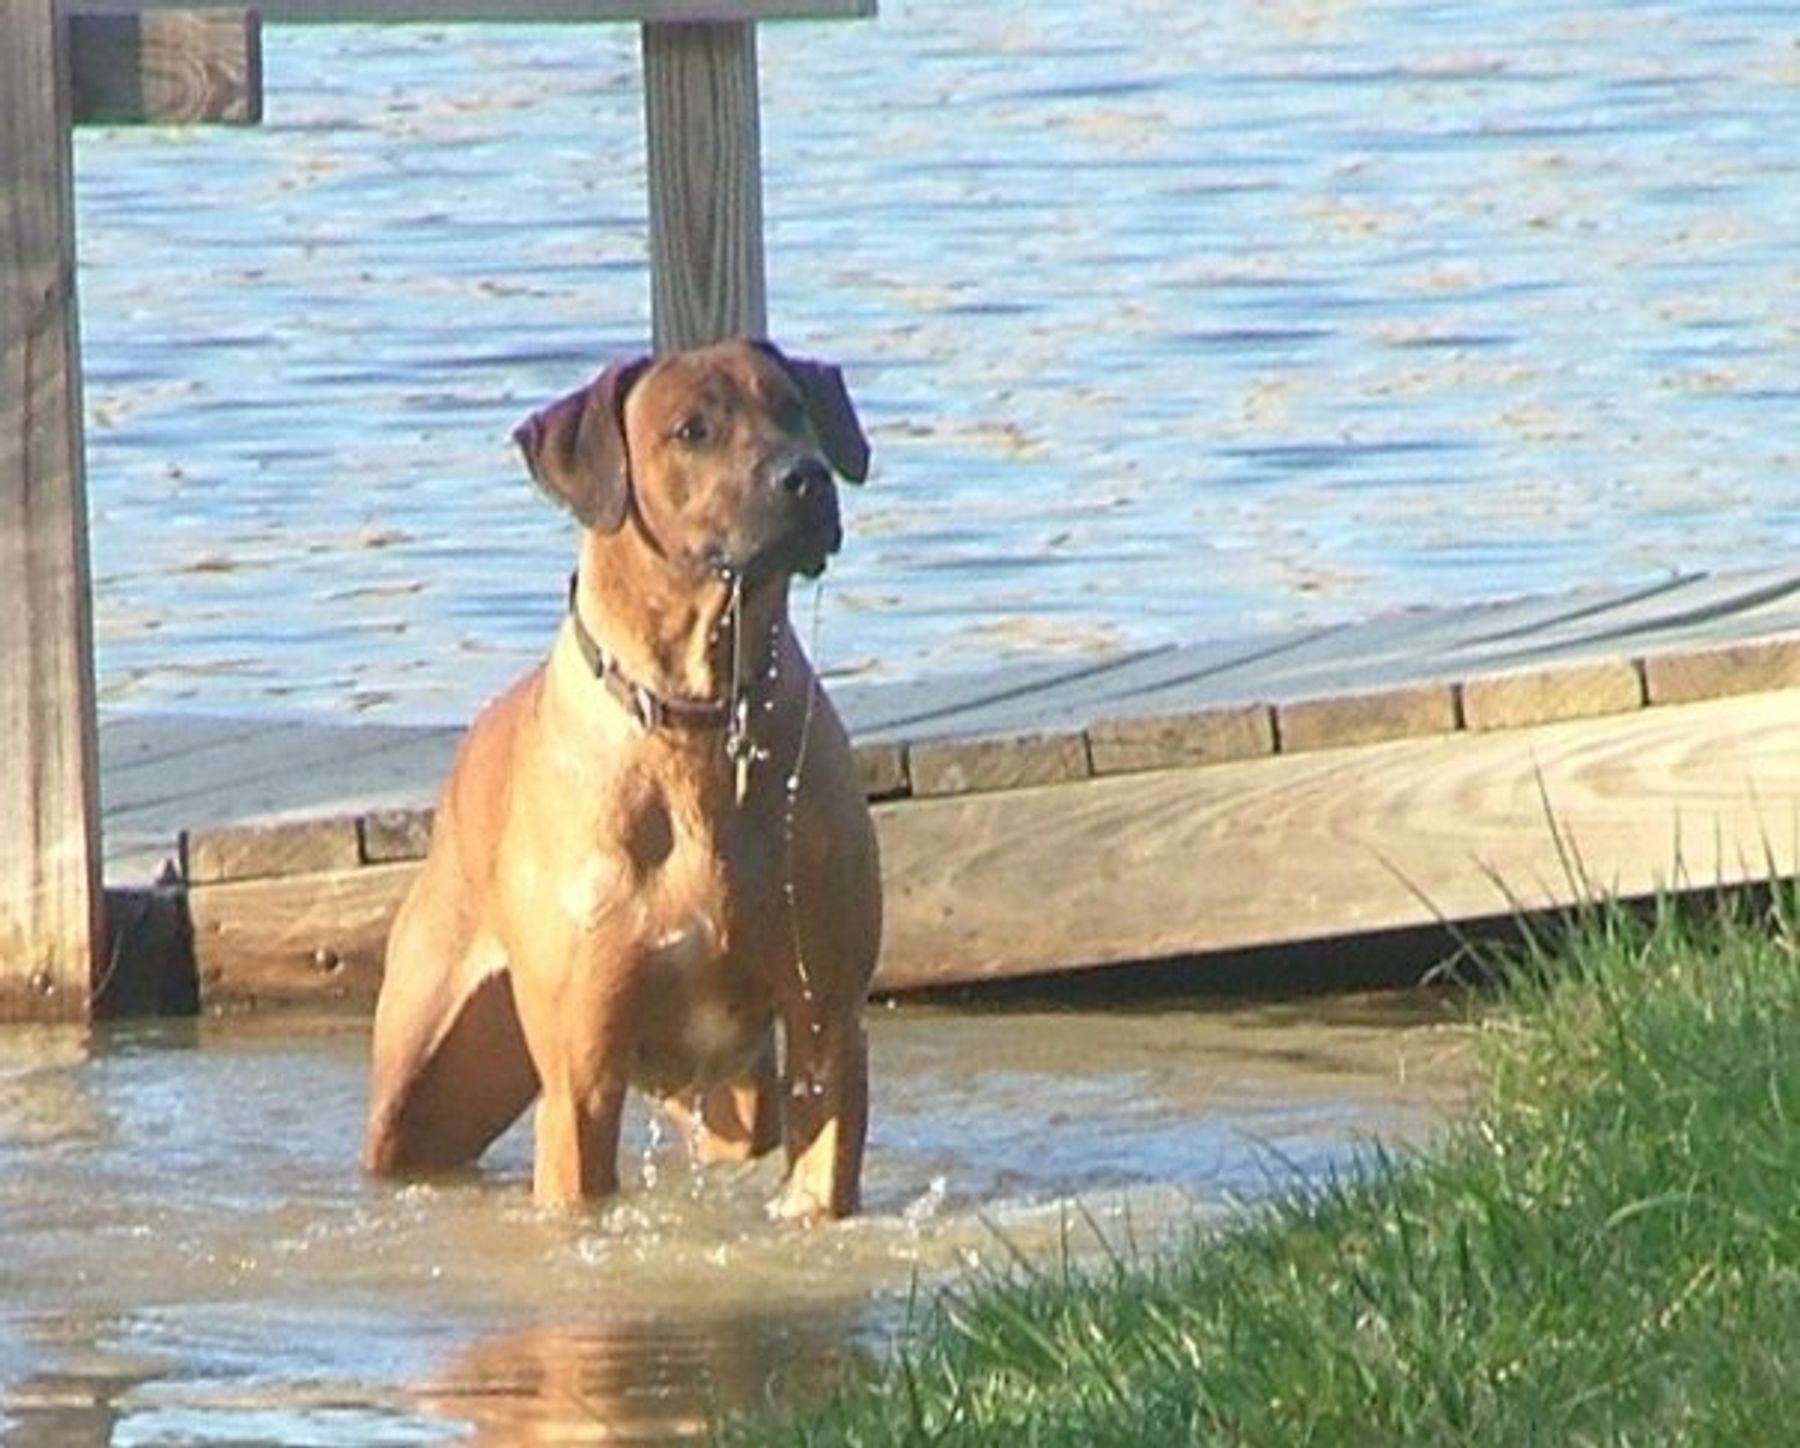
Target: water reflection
(641, 1381)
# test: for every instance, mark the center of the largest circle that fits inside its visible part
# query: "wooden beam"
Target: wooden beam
(1337, 843)
(705, 166)
(50, 901)
(1194, 861)
(177, 67)
(298, 939)
(518, 12)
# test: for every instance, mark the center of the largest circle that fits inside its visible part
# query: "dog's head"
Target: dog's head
(723, 457)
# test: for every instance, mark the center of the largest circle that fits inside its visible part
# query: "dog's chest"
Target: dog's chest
(705, 942)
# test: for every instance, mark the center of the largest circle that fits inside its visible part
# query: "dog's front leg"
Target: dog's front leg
(576, 1038)
(576, 1156)
(825, 1117)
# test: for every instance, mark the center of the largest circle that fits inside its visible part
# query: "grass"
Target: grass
(1606, 1251)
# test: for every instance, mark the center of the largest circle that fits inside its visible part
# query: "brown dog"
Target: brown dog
(654, 846)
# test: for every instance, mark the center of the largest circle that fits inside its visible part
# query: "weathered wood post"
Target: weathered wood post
(50, 903)
(703, 142)
(174, 67)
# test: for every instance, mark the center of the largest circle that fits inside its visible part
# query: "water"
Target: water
(1168, 321)
(191, 1257)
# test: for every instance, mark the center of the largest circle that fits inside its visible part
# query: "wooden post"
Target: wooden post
(705, 164)
(50, 902)
(168, 68)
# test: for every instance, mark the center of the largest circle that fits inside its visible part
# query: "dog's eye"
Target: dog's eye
(693, 431)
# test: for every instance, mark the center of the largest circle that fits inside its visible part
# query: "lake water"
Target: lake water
(1168, 321)
(191, 1256)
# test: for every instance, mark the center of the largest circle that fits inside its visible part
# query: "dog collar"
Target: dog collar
(651, 710)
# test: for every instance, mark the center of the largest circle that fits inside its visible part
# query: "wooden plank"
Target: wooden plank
(298, 940)
(283, 768)
(1351, 719)
(516, 12)
(704, 153)
(965, 766)
(178, 67)
(1715, 673)
(1309, 846)
(50, 901)
(392, 835)
(881, 770)
(1548, 695)
(1209, 736)
(1019, 698)
(1514, 637)
(257, 851)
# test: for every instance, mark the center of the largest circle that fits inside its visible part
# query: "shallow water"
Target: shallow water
(1167, 320)
(191, 1257)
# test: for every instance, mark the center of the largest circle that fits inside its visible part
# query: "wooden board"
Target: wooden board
(173, 775)
(521, 12)
(1676, 618)
(704, 152)
(296, 940)
(1194, 861)
(1338, 842)
(50, 903)
(169, 68)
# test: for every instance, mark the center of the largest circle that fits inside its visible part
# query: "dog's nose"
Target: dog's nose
(803, 478)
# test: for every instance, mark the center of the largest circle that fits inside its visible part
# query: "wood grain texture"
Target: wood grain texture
(392, 835)
(965, 766)
(251, 852)
(172, 68)
(1316, 845)
(1546, 696)
(518, 12)
(296, 940)
(1679, 678)
(704, 154)
(1210, 736)
(881, 770)
(1345, 720)
(50, 902)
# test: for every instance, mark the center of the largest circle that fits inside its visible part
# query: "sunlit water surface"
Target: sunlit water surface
(192, 1258)
(1168, 321)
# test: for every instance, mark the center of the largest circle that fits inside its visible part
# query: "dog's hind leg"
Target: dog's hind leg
(735, 1120)
(451, 1069)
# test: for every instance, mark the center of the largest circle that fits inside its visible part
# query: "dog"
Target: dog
(654, 847)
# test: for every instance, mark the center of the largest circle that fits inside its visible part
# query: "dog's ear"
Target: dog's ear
(575, 448)
(829, 409)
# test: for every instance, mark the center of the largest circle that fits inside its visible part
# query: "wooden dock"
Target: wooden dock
(1169, 803)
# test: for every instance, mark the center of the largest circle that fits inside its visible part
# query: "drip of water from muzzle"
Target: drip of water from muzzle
(789, 820)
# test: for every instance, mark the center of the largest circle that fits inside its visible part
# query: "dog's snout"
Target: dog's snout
(803, 477)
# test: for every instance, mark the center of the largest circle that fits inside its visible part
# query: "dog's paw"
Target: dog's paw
(796, 1204)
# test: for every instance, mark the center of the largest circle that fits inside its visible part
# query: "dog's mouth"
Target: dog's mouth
(800, 542)
(805, 557)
